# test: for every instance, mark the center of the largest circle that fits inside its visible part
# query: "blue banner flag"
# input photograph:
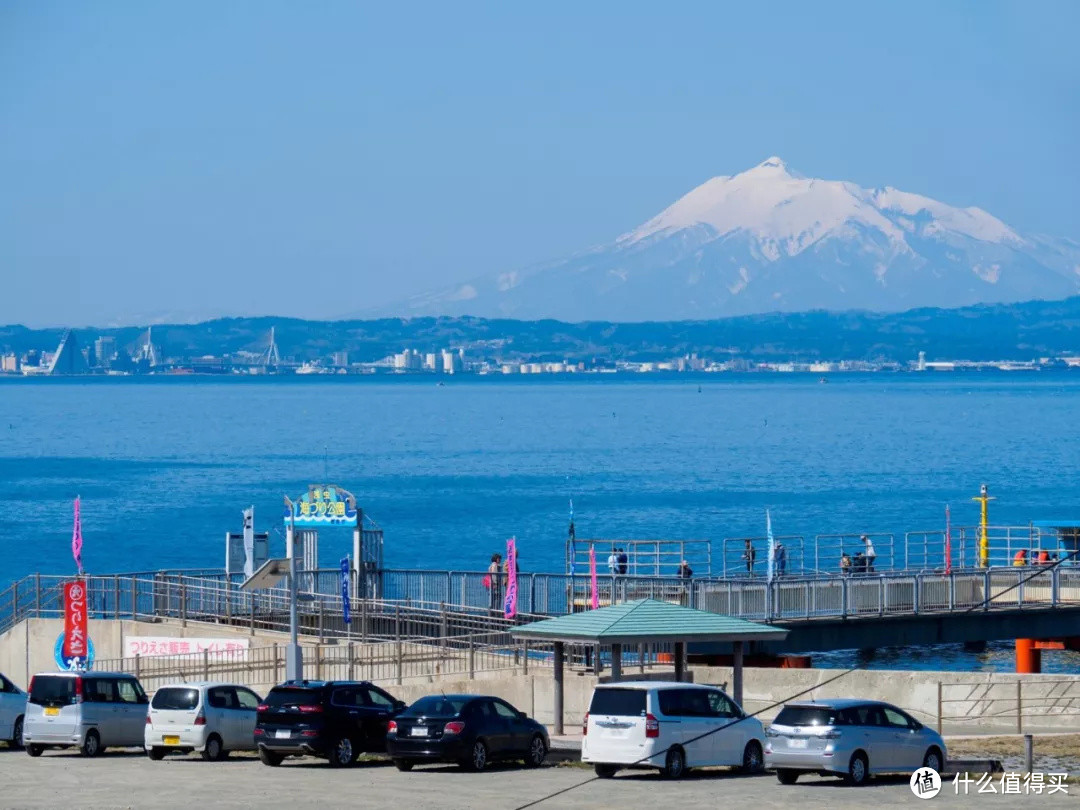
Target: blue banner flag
(345, 589)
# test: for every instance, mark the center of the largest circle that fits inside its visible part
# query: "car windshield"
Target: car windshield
(618, 702)
(808, 716)
(51, 690)
(437, 706)
(288, 696)
(175, 699)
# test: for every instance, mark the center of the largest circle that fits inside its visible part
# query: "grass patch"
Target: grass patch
(1066, 746)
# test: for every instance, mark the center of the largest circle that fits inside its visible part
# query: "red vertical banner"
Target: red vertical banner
(76, 640)
(510, 603)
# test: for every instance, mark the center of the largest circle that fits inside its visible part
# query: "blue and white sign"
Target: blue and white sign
(345, 589)
(76, 663)
(322, 505)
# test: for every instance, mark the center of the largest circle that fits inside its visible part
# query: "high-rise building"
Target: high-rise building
(341, 359)
(9, 363)
(431, 362)
(407, 360)
(69, 357)
(451, 362)
(105, 350)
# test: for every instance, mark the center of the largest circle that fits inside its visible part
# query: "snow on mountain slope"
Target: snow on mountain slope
(770, 239)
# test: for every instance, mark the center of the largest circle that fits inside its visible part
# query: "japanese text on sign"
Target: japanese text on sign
(233, 649)
(76, 637)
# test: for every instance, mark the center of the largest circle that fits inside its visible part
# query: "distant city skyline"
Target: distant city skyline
(171, 163)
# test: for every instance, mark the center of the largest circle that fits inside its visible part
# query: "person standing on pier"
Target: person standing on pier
(749, 555)
(869, 553)
(780, 559)
(495, 583)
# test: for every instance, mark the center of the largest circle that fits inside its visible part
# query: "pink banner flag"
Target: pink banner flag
(510, 605)
(592, 578)
(948, 543)
(76, 538)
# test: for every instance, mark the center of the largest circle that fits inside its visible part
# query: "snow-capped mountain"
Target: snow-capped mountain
(769, 239)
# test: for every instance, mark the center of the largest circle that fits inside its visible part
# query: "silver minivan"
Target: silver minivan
(84, 710)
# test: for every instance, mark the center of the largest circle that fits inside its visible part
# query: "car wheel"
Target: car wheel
(91, 746)
(156, 752)
(404, 764)
(933, 759)
(17, 734)
(343, 753)
(674, 765)
(214, 750)
(478, 759)
(271, 758)
(537, 752)
(605, 771)
(787, 777)
(34, 750)
(753, 759)
(858, 771)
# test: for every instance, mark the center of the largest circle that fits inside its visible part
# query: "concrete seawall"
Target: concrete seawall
(961, 702)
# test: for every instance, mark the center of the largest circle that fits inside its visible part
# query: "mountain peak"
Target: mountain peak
(772, 164)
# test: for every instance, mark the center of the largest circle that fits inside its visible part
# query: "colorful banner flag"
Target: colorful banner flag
(510, 604)
(76, 539)
(592, 578)
(771, 545)
(345, 589)
(76, 636)
(948, 542)
(573, 540)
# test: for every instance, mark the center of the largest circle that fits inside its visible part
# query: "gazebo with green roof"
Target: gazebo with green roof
(645, 621)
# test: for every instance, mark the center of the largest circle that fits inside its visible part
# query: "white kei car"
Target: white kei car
(211, 718)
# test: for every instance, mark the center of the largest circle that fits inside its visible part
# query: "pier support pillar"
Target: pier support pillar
(1028, 657)
(558, 678)
(616, 662)
(680, 660)
(737, 672)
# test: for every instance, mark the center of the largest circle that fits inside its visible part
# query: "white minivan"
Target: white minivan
(668, 725)
(12, 709)
(211, 718)
(84, 710)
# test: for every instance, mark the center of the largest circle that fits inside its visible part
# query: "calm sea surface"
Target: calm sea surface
(165, 466)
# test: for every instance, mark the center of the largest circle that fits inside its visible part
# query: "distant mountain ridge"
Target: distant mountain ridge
(986, 332)
(769, 239)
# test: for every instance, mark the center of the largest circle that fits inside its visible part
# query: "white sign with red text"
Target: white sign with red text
(230, 649)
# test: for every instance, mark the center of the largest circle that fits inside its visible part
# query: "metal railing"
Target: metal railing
(426, 604)
(1020, 704)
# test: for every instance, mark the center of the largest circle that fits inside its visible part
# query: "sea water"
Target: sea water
(164, 465)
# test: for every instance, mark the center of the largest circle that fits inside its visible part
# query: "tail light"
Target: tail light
(391, 727)
(30, 688)
(453, 727)
(309, 709)
(259, 732)
(309, 733)
(78, 689)
(262, 707)
(147, 718)
(652, 727)
(200, 718)
(585, 725)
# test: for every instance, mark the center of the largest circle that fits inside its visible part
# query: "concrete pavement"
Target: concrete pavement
(131, 780)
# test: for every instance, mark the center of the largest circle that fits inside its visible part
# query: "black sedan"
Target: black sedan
(471, 730)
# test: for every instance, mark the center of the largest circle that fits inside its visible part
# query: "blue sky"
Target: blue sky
(316, 159)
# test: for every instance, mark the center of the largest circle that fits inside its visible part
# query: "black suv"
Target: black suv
(335, 720)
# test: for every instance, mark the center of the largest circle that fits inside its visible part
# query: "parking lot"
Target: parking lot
(122, 780)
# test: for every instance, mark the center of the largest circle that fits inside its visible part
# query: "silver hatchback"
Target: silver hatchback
(854, 739)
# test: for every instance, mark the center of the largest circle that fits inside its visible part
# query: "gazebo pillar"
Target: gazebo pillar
(616, 662)
(558, 666)
(680, 660)
(736, 675)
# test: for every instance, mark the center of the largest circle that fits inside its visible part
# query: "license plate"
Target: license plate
(282, 734)
(52, 711)
(172, 740)
(419, 731)
(797, 743)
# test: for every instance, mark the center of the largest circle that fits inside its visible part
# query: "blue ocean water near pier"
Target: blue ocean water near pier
(165, 465)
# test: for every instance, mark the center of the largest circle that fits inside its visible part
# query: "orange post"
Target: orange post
(1028, 656)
